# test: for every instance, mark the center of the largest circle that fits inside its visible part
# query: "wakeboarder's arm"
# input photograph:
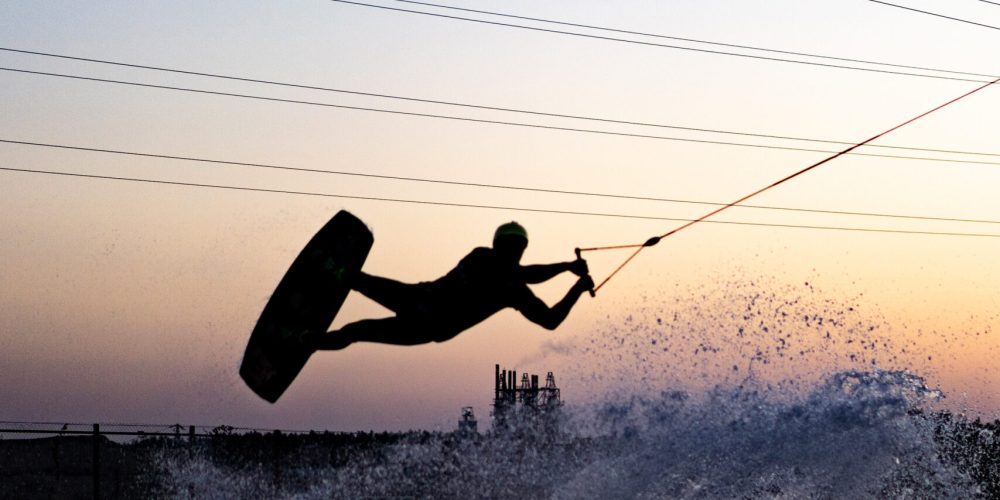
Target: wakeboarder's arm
(551, 317)
(539, 273)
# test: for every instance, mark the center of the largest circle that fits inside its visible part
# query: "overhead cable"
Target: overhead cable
(483, 185)
(656, 239)
(491, 207)
(695, 40)
(661, 45)
(479, 120)
(480, 106)
(928, 13)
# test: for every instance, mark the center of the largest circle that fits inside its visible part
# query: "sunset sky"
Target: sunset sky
(131, 301)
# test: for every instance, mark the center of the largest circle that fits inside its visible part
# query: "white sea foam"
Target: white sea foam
(857, 435)
(745, 391)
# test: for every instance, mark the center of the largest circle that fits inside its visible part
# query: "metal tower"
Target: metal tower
(525, 407)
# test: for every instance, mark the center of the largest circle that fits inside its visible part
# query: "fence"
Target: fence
(33, 453)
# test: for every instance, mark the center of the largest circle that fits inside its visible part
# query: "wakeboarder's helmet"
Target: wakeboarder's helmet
(511, 229)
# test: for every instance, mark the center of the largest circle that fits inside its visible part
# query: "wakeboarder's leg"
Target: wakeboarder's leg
(390, 294)
(383, 331)
(401, 298)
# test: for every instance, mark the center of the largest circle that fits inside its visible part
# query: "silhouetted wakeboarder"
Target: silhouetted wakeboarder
(485, 281)
(294, 321)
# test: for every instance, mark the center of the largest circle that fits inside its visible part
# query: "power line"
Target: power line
(493, 122)
(988, 1)
(660, 45)
(656, 239)
(491, 207)
(928, 13)
(485, 185)
(478, 106)
(695, 40)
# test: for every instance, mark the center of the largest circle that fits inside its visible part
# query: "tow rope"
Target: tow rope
(656, 239)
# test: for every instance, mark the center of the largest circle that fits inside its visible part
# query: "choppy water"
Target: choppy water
(747, 392)
(857, 435)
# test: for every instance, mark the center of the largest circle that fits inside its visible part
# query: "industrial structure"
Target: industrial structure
(468, 424)
(525, 407)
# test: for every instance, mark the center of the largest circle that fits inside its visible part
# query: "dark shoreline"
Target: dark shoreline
(287, 464)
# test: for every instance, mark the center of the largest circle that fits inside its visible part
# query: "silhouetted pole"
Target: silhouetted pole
(97, 461)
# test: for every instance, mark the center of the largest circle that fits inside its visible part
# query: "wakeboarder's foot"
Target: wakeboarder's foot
(307, 339)
(341, 274)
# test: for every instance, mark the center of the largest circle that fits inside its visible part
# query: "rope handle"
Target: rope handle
(638, 248)
(593, 293)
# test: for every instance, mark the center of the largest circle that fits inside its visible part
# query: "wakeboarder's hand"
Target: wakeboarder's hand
(579, 267)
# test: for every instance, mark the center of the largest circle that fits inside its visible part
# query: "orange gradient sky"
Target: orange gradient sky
(126, 301)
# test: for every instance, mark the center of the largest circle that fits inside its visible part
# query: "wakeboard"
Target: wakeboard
(308, 297)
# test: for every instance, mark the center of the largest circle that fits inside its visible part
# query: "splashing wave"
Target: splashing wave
(856, 435)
